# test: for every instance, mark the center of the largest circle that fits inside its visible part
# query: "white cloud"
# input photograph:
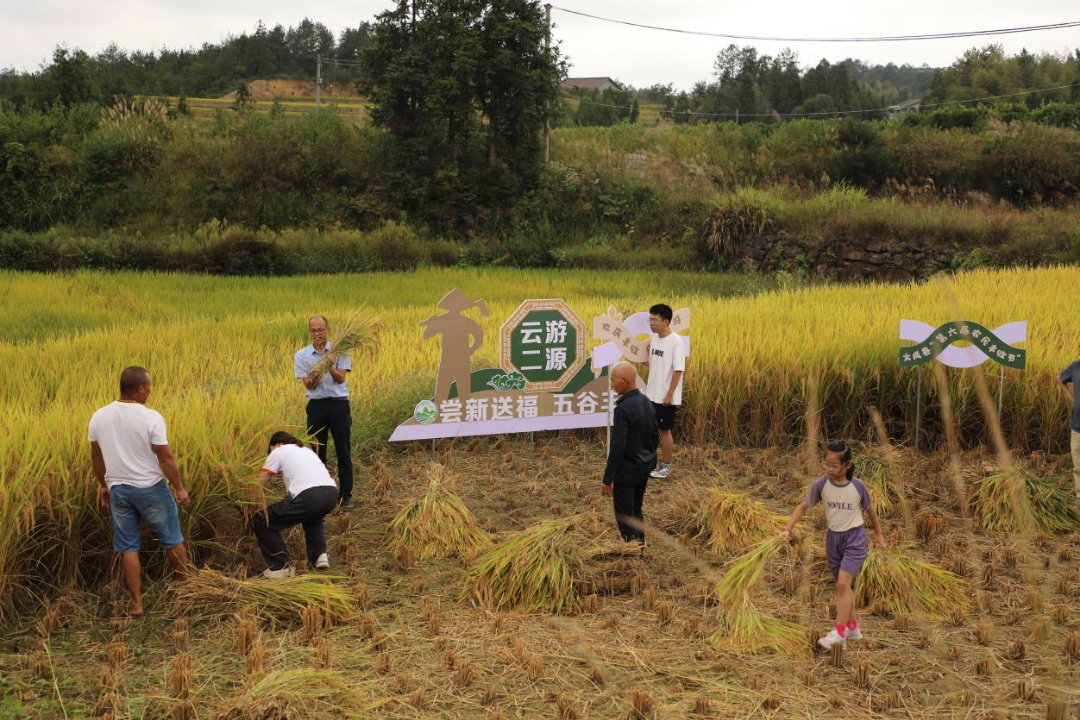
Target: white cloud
(638, 56)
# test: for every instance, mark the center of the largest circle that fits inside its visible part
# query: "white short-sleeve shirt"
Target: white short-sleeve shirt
(300, 468)
(125, 431)
(666, 357)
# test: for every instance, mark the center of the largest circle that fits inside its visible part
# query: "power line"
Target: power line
(883, 38)
(839, 112)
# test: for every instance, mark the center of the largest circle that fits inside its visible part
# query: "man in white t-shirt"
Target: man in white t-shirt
(132, 461)
(667, 362)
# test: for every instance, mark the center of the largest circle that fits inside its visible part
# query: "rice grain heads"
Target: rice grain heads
(296, 693)
(437, 524)
(742, 627)
(1024, 503)
(537, 569)
(285, 597)
(892, 583)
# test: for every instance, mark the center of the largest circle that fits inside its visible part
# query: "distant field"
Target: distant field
(295, 105)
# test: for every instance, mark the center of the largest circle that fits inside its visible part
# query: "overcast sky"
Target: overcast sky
(30, 29)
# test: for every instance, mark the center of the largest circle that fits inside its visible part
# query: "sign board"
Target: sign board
(939, 344)
(544, 342)
(542, 382)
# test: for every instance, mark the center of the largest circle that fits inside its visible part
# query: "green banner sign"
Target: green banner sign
(984, 340)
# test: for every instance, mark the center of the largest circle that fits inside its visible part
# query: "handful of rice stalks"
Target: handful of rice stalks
(873, 471)
(743, 629)
(731, 521)
(537, 569)
(743, 572)
(297, 693)
(1018, 502)
(437, 524)
(284, 598)
(891, 583)
(356, 333)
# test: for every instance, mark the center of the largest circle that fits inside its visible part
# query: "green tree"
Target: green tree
(443, 75)
(68, 78)
(242, 101)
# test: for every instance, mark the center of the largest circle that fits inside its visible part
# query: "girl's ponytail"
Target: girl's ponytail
(842, 449)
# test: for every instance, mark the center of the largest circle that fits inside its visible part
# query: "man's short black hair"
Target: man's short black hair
(662, 311)
(131, 378)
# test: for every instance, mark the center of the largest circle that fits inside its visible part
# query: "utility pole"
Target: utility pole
(318, 81)
(547, 120)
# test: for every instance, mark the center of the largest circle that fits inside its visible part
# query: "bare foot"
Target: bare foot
(135, 611)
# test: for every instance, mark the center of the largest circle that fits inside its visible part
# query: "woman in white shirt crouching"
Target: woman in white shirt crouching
(312, 495)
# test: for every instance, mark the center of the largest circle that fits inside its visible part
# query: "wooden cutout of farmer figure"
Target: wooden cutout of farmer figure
(456, 331)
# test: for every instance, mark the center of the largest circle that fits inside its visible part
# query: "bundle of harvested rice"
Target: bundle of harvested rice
(437, 524)
(891, 583)
(732, 521)
(743, 572)
(285, 597)
(538, 569)
(743, 629)
(297, 693)
(356, 333)
(1018, 502)
(873, 471)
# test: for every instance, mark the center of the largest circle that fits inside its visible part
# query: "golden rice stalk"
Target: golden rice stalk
(297, 693)
(873, 471)
(743, 629)
(537, 569)
(356, 333)
(732, 521)
(1022, 502)
(285, 598)
(743, 572)
(437, 524)
(891, 583)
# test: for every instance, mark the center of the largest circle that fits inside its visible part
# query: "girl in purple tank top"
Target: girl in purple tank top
(846, 499)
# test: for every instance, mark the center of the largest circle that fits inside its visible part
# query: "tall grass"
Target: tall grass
(220, 353)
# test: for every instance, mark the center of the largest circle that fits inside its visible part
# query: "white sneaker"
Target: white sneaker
(323, 563)
(855, 634)
(285, 572)
(661, 471)
(831, 639)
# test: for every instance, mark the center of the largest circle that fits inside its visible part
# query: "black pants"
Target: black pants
(307, 509)
(627, 499)
(331, 417)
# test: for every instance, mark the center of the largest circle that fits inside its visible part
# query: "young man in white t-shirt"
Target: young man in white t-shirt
(667, 363)
(132, 461)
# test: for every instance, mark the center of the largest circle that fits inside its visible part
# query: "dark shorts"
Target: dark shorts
(846, 551)
(131, 505)
(665, 416)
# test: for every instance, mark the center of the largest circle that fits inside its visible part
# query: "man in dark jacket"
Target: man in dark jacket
(634, 437)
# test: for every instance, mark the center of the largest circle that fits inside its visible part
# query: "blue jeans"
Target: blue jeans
(129, 505)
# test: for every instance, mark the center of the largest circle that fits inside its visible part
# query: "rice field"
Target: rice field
(643, 637)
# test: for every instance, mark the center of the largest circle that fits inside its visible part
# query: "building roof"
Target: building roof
(590, 83)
